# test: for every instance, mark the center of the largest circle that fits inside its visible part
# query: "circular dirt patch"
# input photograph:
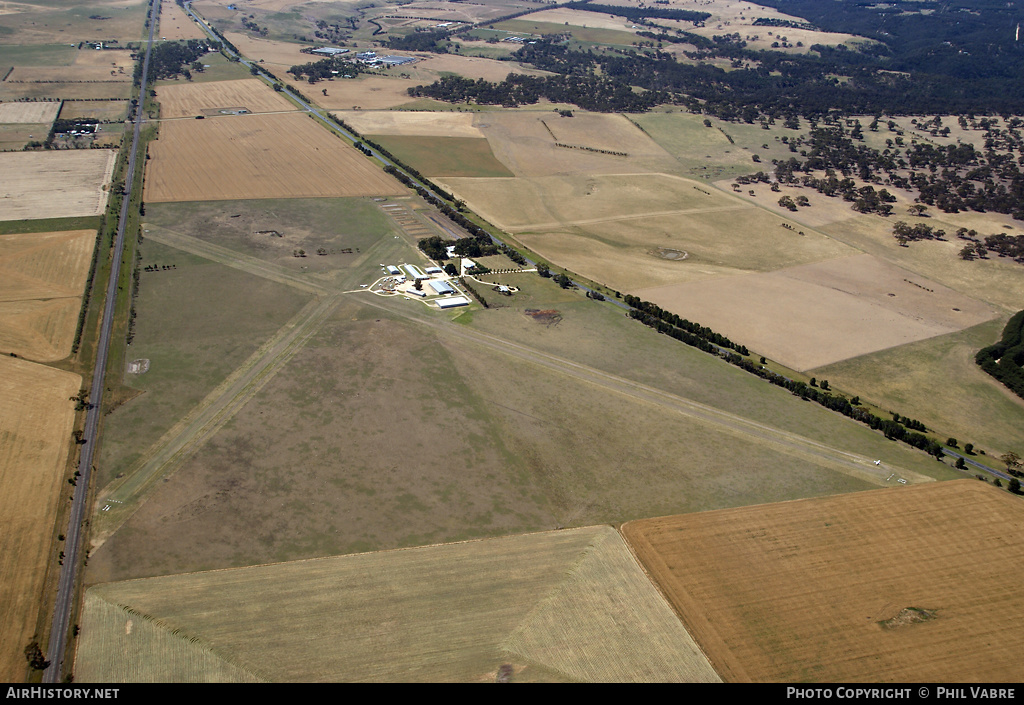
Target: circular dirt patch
(670, 254)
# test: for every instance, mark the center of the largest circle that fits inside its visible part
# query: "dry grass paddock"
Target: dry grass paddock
(257, 156)
(39, 112)
(68, 74)
(474, 67)
(559, 201)
(36, 420)
(393, 122)
(276, 56)
(98, 109)
(67, 90)
(817, 314)
(105, 58)
(55, 184)
(191, 99)
(895, 585)
(524, 140)
(365, 92)
(49, 22)
(579, 609)
(175, 24)
(581, 18)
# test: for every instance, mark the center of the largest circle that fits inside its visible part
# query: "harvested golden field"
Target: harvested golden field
(39, 330)
(257, 156)
(44, 265)
(175, 24)
(191, 99)
(569, 605)
(914, 584)
(36, 420)
(394, 122)
(67, 74)
(98, 109)
(816, 314)
(35, 112)
(524, 140)
(55, 184)
(42, 277)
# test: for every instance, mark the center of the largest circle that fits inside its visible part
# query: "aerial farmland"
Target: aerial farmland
(576, 344)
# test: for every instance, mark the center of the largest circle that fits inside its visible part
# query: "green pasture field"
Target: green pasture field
(47, 225)
(579, 609)
(334, 224)
(195, 324)
(73, 22)
(599, 335)
(445, 156)
(584, 35)
(37, 54)
(15, 136)
(220, 70)
(938, 382)
(705, 152)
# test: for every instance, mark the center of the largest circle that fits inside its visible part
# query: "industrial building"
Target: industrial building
(452, 301)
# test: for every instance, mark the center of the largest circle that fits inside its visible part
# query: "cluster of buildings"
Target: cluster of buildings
(403, 279)
(370, 58)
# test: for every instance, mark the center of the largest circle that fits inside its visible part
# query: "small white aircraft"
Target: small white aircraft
(878, 462)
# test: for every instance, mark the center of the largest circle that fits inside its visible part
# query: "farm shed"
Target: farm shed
(414, 272)
(453, 301)
(441, 288)
(392, 269)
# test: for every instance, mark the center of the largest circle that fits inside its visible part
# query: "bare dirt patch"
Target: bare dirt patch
(803, 591)
(36, 112)
(257, 156)
(36, 419)
(55, 184)
(191, 99)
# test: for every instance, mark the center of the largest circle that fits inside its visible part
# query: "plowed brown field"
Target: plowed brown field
(908, 584)
(258, 156)
(190, 99)
(36, 419)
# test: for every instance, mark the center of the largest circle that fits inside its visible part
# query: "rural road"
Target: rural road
(59, 628)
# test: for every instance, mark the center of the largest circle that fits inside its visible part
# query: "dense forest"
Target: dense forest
(958, 59)
(1005, 359)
